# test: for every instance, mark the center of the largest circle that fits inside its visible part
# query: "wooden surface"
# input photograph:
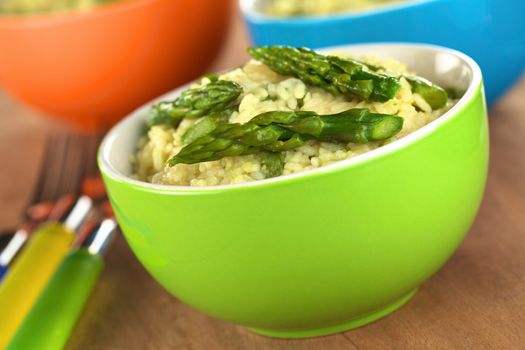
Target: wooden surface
(476, 301)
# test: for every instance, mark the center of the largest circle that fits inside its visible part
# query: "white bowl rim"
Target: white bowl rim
(109, 170)
(247, 8)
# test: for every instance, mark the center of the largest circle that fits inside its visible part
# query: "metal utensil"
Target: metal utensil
(61, 171)
(50, 242)
(53, 317)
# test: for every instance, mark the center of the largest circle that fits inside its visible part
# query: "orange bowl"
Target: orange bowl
(92, 68)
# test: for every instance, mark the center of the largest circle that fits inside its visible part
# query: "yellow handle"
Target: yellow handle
(29, 275)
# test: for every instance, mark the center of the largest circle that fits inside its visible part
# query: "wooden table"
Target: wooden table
(476, 301)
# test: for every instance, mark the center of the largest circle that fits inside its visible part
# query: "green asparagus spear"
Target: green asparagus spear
(454, 93)
(208, 124)
(272, 164)
(356, 125)
(194, 103)
(341, 75)
(334, 74)
(280, 131)
(434, 95)
(198, 130)
(212, 76)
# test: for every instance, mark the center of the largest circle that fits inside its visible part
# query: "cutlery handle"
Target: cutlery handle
(3, 271)
(29, 274)
(54, 314)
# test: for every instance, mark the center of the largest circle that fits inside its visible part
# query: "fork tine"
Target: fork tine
(50, 165)
(58, 169)
(78, 164)
(95, 142)
(89, 161)
(43, 171)
(73, 164)
(64, 168)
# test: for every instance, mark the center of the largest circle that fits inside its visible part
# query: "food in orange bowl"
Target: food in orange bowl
(92, 67)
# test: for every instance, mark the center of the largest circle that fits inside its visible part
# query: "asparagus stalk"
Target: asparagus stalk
(208, 99)
(272, 164)
(342, 75)
(198, 130)
(208, 124)
(356, 125)
(334, 74)
(280, 131)
(434, 95)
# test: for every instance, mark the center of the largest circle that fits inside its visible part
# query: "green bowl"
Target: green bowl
(321, 251)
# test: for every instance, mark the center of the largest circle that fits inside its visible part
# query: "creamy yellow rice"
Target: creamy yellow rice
(26, 7)
(264, 91)
(320, 7)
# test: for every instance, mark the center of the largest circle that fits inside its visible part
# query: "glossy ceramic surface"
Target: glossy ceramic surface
(325, 250)
(92, 68)
(490, 31)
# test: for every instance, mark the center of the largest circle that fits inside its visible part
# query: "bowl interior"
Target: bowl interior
(442, 66)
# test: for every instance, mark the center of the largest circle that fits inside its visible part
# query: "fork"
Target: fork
(62, 167)
(62, 151)
(64, 162)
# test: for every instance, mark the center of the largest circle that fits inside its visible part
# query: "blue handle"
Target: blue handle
(3, 271)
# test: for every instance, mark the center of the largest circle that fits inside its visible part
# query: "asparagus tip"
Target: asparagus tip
(387, 128)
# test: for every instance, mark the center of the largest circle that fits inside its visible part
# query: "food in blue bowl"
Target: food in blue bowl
(491, 32)
(315, 7)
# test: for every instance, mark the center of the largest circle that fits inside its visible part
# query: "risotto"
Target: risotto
(264, 90)
(27, 7)
(316, 7)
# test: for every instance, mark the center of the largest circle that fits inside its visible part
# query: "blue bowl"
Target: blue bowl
(490, 31)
